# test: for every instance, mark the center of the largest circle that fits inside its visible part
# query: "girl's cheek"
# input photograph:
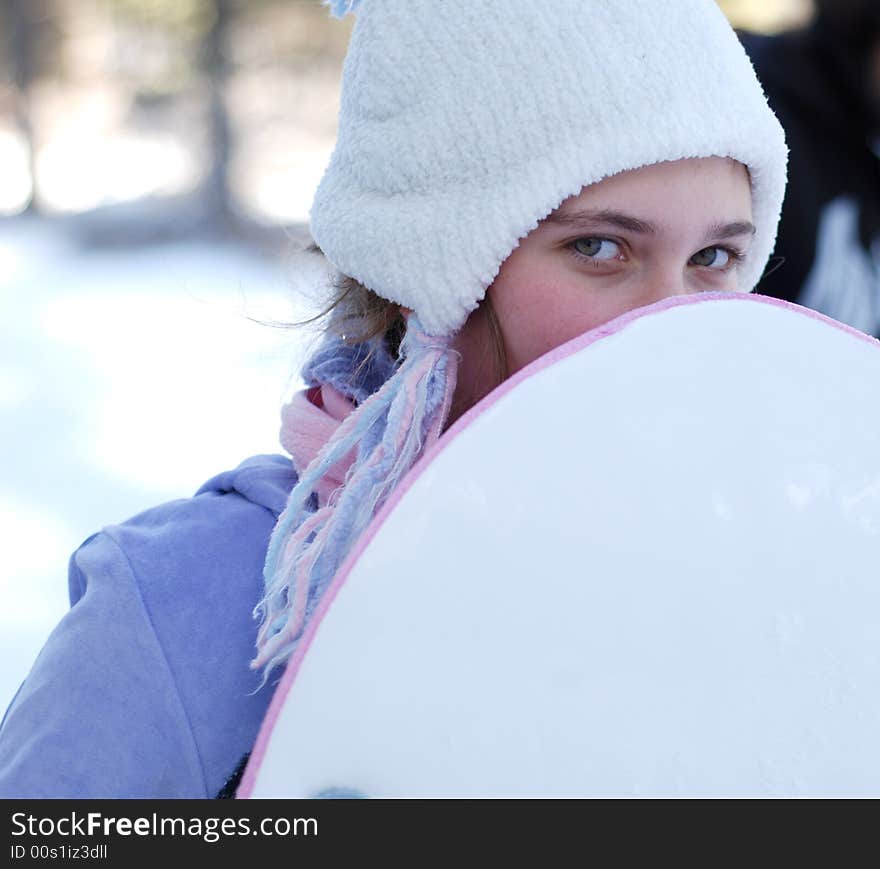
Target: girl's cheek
(549, 335)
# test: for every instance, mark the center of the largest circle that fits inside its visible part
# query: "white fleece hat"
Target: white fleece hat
(463, 123)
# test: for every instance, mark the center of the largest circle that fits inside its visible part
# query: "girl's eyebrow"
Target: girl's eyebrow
(729, 230)
(607, 217)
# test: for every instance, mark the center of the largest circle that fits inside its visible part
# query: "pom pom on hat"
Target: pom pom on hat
(341, 8)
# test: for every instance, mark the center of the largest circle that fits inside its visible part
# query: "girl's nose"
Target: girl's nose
(664, 283)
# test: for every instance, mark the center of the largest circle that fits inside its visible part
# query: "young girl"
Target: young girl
(508, 174)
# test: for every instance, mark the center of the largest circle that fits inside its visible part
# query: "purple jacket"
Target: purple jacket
(143, 689)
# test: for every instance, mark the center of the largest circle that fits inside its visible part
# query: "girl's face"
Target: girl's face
(625, 242)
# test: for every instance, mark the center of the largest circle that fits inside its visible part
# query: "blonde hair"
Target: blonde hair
(358, 315)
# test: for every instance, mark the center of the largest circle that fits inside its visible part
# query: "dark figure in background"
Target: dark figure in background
(823, 82)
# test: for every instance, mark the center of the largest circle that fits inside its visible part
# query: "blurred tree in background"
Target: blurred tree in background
(159, 118)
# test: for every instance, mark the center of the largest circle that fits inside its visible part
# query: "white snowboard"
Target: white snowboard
(646, 566)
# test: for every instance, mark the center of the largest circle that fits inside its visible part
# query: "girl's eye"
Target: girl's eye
(596, 248)
(713, 258)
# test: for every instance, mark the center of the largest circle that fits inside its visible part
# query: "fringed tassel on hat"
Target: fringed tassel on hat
(390, 431)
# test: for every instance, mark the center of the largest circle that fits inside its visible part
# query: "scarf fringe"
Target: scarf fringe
(391, 430)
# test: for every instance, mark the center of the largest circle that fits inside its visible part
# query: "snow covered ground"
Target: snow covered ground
(127, 377)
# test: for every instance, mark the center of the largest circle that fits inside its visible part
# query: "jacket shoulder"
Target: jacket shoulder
(215, 535)
(198, 567)
(144, 688)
